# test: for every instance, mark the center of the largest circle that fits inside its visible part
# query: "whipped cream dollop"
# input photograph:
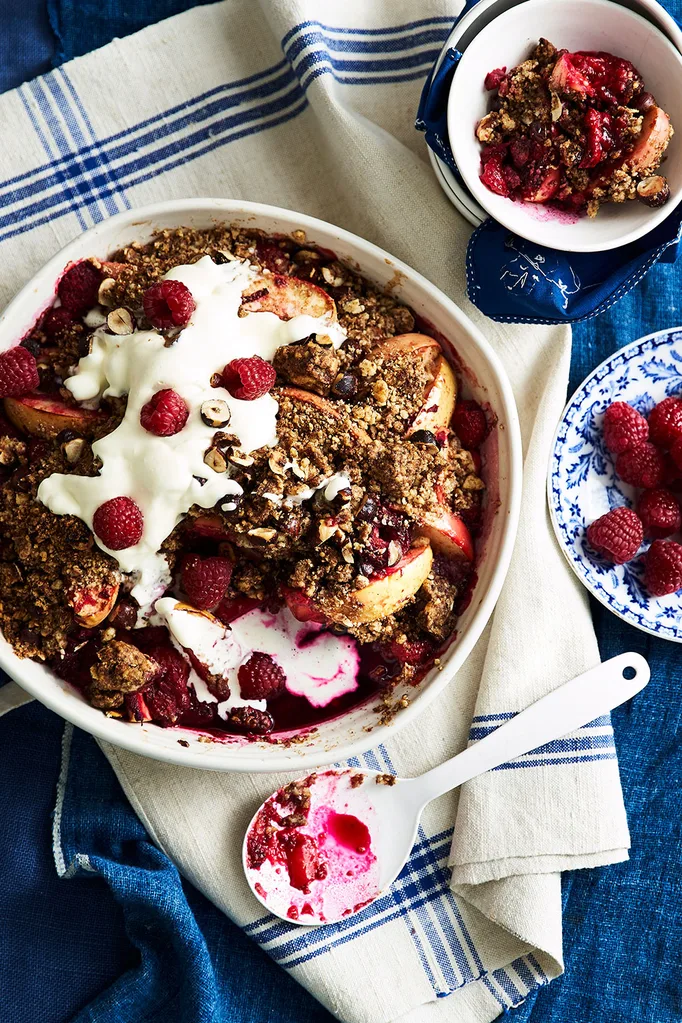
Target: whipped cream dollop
(319, 666)
(165, 476)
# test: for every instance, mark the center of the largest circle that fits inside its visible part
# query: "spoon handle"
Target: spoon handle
(567, 708)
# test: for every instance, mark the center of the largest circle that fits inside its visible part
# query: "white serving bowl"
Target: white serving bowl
(580, 25)
(480, 372)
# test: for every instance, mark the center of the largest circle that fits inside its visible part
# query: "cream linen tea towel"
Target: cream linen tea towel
(261, 101)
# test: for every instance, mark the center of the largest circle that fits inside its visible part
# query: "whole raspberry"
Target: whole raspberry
(617, 535)
(659, 512)
(260, 678)
(624, 427)
(205, 580)
(469, 423)
(118, 523)
(18, 373)
(168, 304)
(665, 422)
(79, 287)
(663, 568)
(165, 413)
(642, 466)
(248, 379)
(56, 321)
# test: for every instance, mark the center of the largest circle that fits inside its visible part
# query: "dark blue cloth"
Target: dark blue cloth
(26, 43)
(86, 949)
(516, 281)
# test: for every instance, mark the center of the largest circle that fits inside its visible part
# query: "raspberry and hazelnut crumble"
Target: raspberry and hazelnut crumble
(237, 486)
(573, 130)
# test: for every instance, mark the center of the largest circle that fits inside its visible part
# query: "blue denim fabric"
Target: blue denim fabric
(125, 939)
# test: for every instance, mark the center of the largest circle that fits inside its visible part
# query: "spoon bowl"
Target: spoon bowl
(325, 846)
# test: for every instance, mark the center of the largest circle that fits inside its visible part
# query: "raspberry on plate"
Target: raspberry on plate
(659, 512)
(79, 287)
(663, 568)
(624, 427)
(118, 523)
(168, 304)
(205, 580)
(469, 423)
(18, 373)
(165, 413)
(641, 466)
(260, 678)
(248, 379)
(665, 422)
(617, 535)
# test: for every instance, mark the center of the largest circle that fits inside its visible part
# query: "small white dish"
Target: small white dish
(582, 484)
(480, 370)
(458, 195)
(582, 25)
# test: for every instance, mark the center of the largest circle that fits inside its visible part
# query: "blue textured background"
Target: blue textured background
(90, 949)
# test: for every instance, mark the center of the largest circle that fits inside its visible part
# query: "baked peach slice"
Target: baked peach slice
(386, 592)
(92, 605)
(42, 416)
(440, 392)
(447, 533)
(287, 297)
(651, 142)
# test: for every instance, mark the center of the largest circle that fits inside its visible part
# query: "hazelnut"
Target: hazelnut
(120, 321)
(423, 437)
(331, 278)
(73, 449)
(265, 535)
(215, 413)
(104, 296)
(653, 191)
(395, 553)
(347, 553)
(215, 460)
(239, 457)
(645, 102)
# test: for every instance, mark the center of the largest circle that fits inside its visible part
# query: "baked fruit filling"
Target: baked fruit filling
(239, 489)
(573, 130)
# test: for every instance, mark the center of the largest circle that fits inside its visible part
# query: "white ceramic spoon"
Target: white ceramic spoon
(387, 812)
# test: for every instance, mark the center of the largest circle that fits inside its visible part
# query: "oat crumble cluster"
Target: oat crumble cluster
(384, 557)
(574, 130)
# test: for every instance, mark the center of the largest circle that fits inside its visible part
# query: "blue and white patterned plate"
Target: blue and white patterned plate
(582, 484)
